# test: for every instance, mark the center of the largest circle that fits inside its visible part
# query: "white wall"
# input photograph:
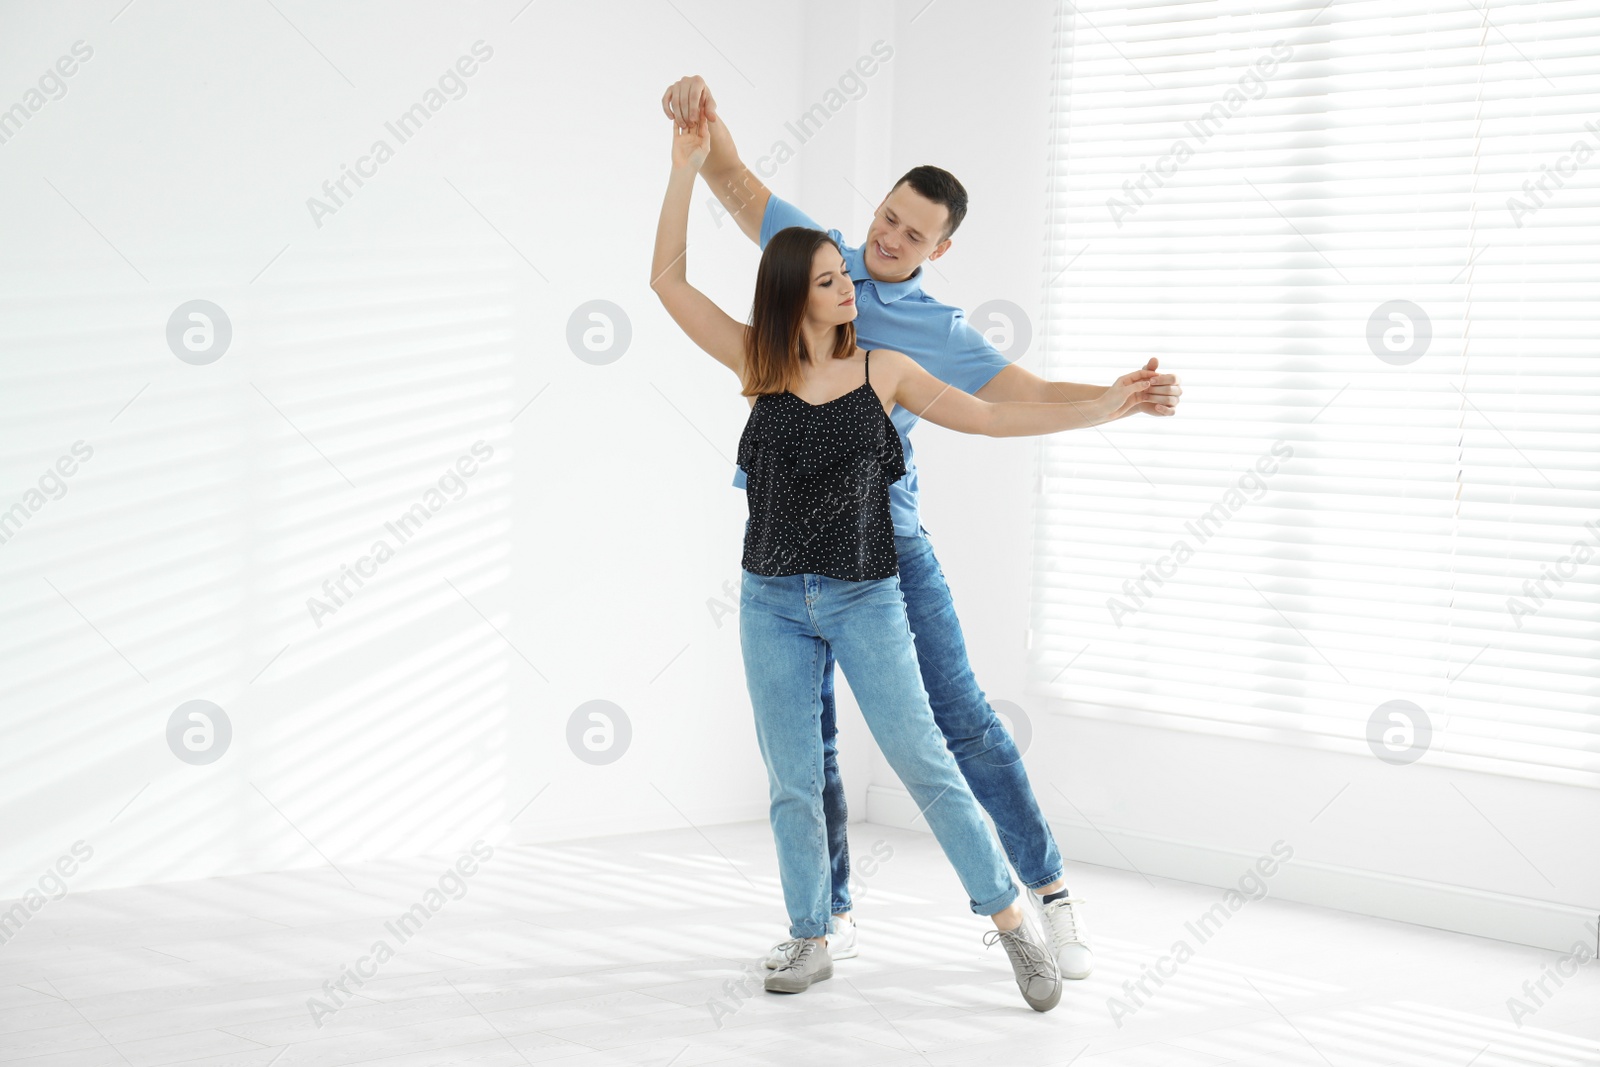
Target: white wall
(427, 313)
(585, 559)
(972, 93)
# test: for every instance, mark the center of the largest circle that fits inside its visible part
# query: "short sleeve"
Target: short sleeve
(973, 361)
(780, 216)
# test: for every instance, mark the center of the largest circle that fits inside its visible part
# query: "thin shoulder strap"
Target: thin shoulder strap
(869, 366)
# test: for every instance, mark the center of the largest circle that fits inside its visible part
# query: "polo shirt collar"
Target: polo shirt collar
(888, 292)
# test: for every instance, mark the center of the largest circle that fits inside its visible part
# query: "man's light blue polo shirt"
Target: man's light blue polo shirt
(900, 316)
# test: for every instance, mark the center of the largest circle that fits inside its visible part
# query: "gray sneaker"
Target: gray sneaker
(841, 944)
(1038, 975)
(805, 963)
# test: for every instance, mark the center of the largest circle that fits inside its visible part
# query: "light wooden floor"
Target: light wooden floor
(631, 950)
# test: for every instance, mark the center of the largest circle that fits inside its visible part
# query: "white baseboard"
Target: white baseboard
(551, 829)
(1460, 909)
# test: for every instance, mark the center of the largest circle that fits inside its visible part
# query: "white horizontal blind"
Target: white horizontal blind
(1245, 190)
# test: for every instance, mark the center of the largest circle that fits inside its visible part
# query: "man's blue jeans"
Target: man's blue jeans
(790, 628)
(982, 746)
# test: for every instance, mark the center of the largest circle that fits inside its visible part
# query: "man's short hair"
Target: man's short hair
(940, 186)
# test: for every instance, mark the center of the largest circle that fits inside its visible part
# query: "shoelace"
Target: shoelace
(788, 948)
(1032, 957)
(796, 950)
(1061, 908)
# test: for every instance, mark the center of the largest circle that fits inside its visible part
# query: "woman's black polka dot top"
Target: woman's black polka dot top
(817, 482)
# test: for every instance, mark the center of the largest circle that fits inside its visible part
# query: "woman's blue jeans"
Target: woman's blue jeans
(983, 748)
(789, 627)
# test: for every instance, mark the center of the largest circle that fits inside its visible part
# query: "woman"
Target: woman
(819, 561)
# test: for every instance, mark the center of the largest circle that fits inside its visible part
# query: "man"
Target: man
(911, 226)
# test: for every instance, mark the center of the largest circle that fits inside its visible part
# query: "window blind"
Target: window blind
(1367, 237)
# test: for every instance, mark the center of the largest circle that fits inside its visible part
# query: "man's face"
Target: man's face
(907, 230)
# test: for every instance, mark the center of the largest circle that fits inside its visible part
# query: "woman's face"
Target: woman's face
(832, 299)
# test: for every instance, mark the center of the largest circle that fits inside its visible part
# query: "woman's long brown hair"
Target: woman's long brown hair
(773, 347)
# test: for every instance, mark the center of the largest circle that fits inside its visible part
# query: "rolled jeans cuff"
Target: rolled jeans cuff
(998, 904)
(1036, 883)
(811, 929)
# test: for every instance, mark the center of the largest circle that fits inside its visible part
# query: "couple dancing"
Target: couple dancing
(843, 353)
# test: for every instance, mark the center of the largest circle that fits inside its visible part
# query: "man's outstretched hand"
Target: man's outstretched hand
(1162, 396)
(688, 101)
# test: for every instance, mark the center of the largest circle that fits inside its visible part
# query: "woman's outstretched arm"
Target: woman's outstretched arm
(927, 397)
(706, 324)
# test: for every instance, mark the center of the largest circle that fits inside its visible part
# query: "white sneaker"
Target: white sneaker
(1065, 934)
(841, 945)
(842, 939)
